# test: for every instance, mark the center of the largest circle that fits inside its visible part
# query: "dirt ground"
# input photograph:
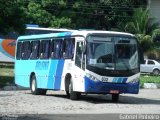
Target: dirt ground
(56, 102)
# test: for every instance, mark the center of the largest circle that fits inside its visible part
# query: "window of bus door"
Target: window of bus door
(79, 58)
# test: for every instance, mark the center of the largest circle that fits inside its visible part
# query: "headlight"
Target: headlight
(91, 77)
(135, 80)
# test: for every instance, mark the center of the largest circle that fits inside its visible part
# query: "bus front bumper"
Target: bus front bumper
(109, 88)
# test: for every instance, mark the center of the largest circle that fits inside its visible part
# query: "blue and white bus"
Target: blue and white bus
(98, 62)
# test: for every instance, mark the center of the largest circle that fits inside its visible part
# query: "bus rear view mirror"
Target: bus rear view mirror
(141, 56)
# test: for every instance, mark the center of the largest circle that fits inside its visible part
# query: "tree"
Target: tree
(11, 16)
(144, 27)
(45, 13)
(77, 14)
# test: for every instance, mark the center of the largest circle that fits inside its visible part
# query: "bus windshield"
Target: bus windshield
(112, 54)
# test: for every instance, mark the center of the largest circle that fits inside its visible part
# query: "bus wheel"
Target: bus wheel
(67, 92)
(67, 83)
(34, 89)
(115, 97)
(72, 94)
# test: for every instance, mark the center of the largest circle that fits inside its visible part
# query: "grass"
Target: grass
(4, 80)
(6, 74)
(149, 79)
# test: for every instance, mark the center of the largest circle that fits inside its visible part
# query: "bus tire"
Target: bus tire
(43, 91)
(115, 97)
(34, 89)
(67, 93)
(72, 94)
(67, 82)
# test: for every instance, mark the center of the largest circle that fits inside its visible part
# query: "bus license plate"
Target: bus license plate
(114, 91)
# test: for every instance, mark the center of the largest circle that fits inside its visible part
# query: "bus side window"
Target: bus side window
(19, 50)
(58, 49)
(52, 51)
(35, 49)
(26, 50)
(68, 48)
(64, 48)
(45, 49)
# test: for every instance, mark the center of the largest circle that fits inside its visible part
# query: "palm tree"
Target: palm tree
(144, 27)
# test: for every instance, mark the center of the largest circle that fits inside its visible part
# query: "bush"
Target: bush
(149, 79)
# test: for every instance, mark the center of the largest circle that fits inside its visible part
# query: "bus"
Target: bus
(78, 62)
(40, 30)
(8, 42)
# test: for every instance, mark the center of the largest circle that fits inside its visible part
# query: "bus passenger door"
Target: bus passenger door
(79, 67)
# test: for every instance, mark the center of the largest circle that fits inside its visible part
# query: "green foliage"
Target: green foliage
(6, 74)
(100, 14)
(11, 17)
(142, 23)
(4, 80)
(35, 14)
(146, 41)
(149, 79)
(77, 14)
(144, 27)
(153, 53)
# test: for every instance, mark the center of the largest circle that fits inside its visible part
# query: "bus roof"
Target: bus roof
(51, 29)
(69, 34)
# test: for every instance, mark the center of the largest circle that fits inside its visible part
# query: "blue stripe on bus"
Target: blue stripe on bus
(68, 34)
(124, 80)
(115, 80)
(119, 80)
(65, 34)
(59, 72)
(52, 72)
(61, 34)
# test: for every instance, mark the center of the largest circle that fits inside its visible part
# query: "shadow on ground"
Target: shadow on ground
(102, 99)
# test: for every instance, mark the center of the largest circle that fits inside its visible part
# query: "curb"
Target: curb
(151, 85)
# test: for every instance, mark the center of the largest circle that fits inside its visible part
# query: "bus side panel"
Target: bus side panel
(67, 69)
(76, 73)
(59, 71)
(22, 72)
(50, 74)
(45, 72)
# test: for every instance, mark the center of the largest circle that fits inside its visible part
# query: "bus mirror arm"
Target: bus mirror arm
(84, 49)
